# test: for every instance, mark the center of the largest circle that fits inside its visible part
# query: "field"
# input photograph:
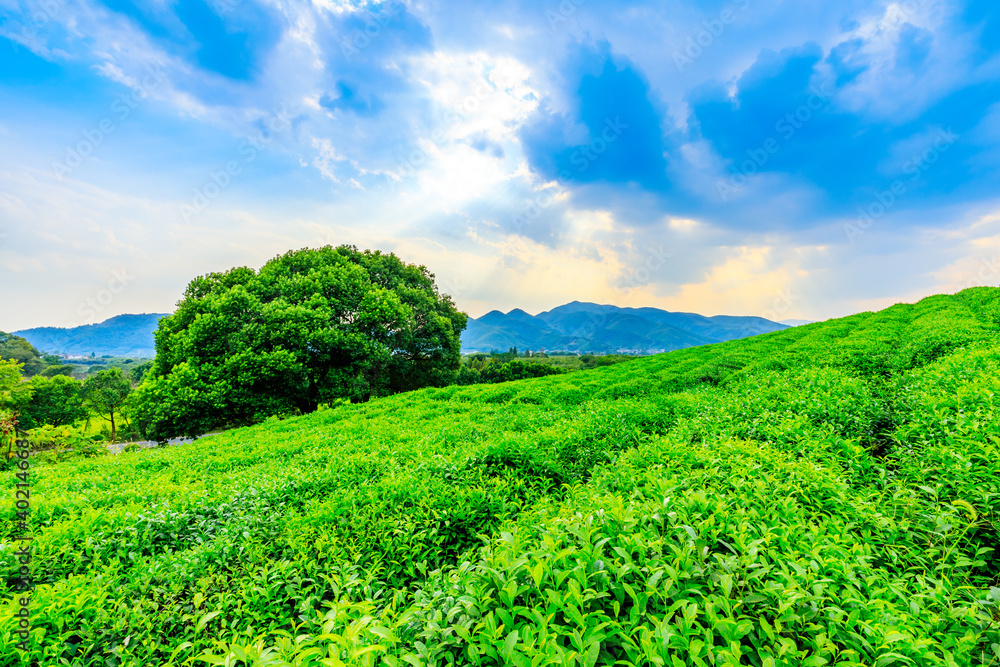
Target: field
(90, 365)
(823, 495)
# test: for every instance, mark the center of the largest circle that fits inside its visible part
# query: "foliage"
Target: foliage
(133, 368)
(54, 444)
(310, 327)
(138, 373)
(107, 392)
(15, 394)
(483, 368)
(506, 372)
(57, 401)
(824, 495)
(20, 350)
(8, 433)
(58, 369)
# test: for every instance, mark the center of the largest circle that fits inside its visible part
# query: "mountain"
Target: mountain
(574, 327)
(591, 327)
(121, 336)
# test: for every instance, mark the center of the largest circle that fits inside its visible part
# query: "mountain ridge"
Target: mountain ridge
(577, 326)
(126, 335)
(581, 326)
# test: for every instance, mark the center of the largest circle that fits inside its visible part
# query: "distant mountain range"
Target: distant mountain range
(589, 327)
(574, 327)
(121, 336)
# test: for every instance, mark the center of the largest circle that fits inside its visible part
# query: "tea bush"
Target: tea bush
(827, 494)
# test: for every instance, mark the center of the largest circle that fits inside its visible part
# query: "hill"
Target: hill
(589, 327)
(121, 336)
(826, 494)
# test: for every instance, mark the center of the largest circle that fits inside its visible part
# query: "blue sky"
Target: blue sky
(785, 159)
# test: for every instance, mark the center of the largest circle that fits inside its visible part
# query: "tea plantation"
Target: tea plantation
(824, 495)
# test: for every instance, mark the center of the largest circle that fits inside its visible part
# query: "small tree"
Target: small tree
(8, 428)
(14, 395)
(106, 392)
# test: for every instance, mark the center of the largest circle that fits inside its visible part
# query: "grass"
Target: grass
(826, 494)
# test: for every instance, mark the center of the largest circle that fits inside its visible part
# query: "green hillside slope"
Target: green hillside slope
(823, 495)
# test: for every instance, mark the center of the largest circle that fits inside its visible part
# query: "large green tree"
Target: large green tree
(311, 326)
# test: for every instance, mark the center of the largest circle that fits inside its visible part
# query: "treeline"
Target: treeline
(495, 366)
(16, 348)
(55, 411)
(504, 372)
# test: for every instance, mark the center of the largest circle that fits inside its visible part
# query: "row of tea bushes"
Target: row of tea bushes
(821, 495)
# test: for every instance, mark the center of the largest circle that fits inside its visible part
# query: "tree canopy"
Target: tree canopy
(20, 350)
(106, 392)
(311, 326)
(57, 401)
(14, 395)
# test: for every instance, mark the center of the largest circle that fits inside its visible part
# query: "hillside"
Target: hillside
(121, 336)
(826, 494)
(589, 327)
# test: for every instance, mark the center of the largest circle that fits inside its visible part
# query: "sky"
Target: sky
(787, 159)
